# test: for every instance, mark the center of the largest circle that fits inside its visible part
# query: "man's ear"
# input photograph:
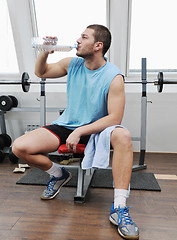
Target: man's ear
(98, 46)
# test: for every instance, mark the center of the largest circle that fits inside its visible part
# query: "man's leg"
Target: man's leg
(122, 158)
(121, 168)
(31, 148)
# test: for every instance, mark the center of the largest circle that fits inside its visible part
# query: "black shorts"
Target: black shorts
(62, 133)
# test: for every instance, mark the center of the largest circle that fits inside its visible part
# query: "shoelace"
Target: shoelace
(124, 214)
(51, 183)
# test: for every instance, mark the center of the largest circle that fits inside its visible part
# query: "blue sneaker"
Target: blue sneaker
(126, 227)
(55, 184)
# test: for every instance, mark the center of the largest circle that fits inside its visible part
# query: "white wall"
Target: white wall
(161, 120)
(161, 113)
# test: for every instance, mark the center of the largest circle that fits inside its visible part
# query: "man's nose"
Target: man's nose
(78, 40)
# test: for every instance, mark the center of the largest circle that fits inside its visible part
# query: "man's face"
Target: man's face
(86, 44)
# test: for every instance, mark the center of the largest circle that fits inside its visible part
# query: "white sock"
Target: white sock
(55, 170)
(120, 196)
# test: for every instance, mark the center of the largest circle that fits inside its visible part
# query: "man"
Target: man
(95, 101)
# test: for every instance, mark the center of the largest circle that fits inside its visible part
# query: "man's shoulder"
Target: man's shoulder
(77, 61)
(113, 72)
(113, 66)
(75, 64)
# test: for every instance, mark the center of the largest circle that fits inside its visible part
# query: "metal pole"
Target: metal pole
(143, 113)
(42, 103)
(2, 123)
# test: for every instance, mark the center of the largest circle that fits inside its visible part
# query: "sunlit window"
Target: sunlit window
(153, 34)
(67, 20)
(8, 59)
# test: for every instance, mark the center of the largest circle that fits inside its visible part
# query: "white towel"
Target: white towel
(97, 151)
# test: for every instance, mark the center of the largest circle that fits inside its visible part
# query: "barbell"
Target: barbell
(25, 82)
(159, 82)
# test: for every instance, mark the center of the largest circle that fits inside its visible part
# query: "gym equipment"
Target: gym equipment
(25, 82)
(12, 156)
(5, 139)
(7, 102)
(2, 156)
(84, 177)
(161, 81)
(49, 44)
(15, 100)
(2, 144)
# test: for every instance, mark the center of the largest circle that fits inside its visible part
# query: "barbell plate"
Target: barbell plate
(6, 139)
(160, 82)
(6, 103)
(14, 99)
(25, 82)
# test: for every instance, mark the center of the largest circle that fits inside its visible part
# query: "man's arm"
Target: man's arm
(116, 104)
(53, 70)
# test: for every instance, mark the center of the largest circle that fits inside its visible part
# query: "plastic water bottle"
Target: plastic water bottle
(48, 44)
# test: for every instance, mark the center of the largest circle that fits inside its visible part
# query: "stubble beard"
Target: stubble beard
(85, 56)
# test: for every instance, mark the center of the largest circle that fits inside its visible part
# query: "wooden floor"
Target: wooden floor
(24, 216)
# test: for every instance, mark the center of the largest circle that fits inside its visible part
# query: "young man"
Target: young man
(95, 101)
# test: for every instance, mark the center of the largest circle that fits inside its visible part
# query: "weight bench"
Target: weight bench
(84, 176)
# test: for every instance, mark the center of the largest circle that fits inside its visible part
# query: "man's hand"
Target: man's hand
(72, 141)
(48, 40)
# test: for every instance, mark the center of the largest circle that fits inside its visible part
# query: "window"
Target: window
(153, 35)
(8, 59)
(67, 20)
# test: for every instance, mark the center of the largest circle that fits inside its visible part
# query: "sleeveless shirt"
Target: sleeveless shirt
(87, 92)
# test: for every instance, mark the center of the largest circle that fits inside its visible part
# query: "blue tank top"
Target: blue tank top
(87, 92)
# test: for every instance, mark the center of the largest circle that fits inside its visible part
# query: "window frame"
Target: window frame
(118, 25)
(23, 29)
(12, 75)
(171, 73)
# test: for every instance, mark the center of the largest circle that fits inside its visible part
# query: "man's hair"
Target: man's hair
(101, 34)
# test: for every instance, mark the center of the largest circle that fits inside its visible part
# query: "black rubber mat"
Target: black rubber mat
(102, 179)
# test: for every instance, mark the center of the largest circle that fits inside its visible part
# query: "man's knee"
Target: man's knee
(18, 147)
(121, 136)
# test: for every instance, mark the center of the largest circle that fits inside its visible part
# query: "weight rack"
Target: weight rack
(142, 138)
